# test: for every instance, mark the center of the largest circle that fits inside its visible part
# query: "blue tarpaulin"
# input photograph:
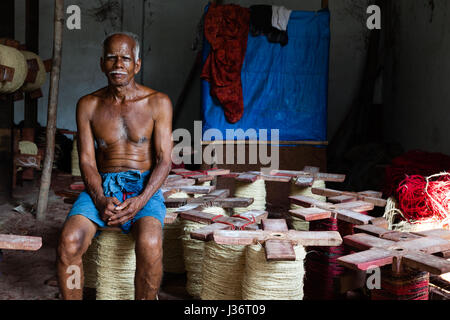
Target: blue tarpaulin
(284, 88)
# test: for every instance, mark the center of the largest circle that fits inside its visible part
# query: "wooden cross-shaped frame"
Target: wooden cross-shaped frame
(347, 211)
(200, 176)
(245, 221)
(381, 247)
(277, 239)
(308, 175)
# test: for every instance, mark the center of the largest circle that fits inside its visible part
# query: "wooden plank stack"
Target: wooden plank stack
(405, 259)
(326, 277)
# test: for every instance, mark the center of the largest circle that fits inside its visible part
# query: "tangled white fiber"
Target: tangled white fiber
(255, 190)
(193, 253)
(272, 280)
(223, 270)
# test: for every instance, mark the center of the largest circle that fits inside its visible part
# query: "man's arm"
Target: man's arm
(162, 139)
(88, 164)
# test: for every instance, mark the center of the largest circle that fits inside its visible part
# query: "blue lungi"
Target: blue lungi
(122, 185)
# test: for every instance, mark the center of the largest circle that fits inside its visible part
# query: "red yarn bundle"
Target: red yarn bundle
(414, 163)
(423, 198)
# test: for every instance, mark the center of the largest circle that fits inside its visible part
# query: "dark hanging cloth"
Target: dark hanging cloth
(261, 24)
(226, 29)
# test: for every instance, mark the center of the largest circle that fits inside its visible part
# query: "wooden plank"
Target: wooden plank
(372, 230)
(288, 173)
(189, 207)
(363, 241)
(175, 202)
(326, 192)
(232, 202)
(203, 178)
(247, 177)
(275, 178)
(197, 189)
(179, 183)
(425, 262)
(352, 217)
(311, 214)
(217, 172)
(305, 238)
(375, 257)
(310, 169)
(341, 199)
(274, 225)
(438, 233)
(371, 193)
(173, 177)
(331, 177)
(206, 233)
(305, 181)
(197, 216)
(277, 250)
(358, 206)
(220, 193)
(375, 201)
(15, 242)
(309, 202)
(399, 236)
(380, 222)
(258, 215)
(78, 186)
(425, 244)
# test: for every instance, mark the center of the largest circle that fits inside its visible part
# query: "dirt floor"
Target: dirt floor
(28, 275)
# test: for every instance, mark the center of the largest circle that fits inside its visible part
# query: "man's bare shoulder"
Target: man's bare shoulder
(90, 101)
(157, 101)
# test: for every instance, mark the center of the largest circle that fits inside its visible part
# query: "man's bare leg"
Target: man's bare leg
(147, 232)
(75, 239)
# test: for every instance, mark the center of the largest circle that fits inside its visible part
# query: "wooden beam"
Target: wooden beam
(13, 242)
(52, 110)
(6, 104)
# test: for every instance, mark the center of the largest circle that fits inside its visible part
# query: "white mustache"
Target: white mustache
(118, 72)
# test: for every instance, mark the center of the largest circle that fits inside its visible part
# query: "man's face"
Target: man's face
(118, 62)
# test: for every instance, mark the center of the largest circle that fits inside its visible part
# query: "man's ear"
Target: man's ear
(137, 66)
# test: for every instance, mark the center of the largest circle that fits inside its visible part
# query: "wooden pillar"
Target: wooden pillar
(52, 108)
(6, 102)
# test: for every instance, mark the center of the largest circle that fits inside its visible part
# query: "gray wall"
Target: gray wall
(418, 95)
(167, 28)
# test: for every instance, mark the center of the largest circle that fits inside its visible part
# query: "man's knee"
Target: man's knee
(149, 247)
(71, 245)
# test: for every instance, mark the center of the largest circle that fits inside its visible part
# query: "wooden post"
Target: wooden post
(6, 103)
(52, 108)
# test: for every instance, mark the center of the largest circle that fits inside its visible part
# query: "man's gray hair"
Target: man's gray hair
(129, 34)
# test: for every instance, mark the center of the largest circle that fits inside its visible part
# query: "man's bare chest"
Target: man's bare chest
(111, 126)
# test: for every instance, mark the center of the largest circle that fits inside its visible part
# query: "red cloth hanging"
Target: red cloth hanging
(226, 29)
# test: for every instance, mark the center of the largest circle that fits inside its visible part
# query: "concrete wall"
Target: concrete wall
(418, 94)
(167, 28)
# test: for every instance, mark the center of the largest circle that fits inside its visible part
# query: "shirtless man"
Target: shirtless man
(132, 126)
